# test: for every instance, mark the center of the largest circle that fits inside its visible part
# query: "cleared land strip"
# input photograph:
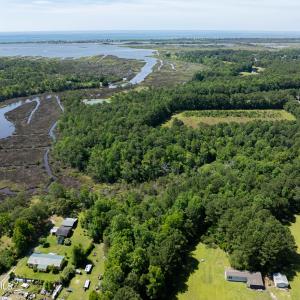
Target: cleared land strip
(213, 117)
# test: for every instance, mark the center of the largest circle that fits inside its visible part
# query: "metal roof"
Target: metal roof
(280, 278)
(69, 222)
(87, 284)
(236, 273)
(42, 260)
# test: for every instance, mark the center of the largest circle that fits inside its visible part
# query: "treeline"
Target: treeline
(230, 63)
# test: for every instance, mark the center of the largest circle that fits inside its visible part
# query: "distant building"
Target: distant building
(280, 281)
(253, 280)
(69, 222)
(43, 261)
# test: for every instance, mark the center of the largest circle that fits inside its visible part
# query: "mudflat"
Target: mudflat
(21, 155)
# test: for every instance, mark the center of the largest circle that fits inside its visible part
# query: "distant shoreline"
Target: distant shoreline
(161, 41)
(146, 36)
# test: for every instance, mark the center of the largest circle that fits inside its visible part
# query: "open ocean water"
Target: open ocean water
(16, 37)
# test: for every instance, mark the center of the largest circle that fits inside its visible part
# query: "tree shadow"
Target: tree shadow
(178, 282)
(294, 268)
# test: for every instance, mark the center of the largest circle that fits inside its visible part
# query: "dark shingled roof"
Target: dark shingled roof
(64, 231)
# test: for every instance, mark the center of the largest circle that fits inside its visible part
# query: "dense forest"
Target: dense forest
(27, 76)
(230, 185)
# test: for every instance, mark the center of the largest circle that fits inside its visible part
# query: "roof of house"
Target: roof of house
(69, 222)
(280, 278)
(255, 279)
(236, 273)
(44, 260)
(63, 231)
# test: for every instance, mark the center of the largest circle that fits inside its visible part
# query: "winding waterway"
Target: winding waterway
(69, 50)
(77, 50)
(7, 128)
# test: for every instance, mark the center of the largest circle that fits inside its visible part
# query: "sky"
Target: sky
(74, 15)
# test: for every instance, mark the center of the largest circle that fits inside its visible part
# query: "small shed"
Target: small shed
(280, 281)
(87, 285)
(25, 285)
(70, 222)
(53, 230)
(88, 268)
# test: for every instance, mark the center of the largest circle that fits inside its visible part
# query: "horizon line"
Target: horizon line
(154, 30)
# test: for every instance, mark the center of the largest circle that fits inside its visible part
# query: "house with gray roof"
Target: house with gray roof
(253, 280)
(43, 261)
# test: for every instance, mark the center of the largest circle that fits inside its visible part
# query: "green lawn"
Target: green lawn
(208, 282)
(79, 237)
(295, 284)
(5, 242)
(294, 292)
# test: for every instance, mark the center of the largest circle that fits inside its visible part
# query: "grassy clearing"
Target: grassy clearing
(295, 283)
(294, 292)
(208, 282)
(5, 242)
(171, 72)
(258, 70)
(79, 237)
(213, 117)
(11, 185)
(97, 258)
